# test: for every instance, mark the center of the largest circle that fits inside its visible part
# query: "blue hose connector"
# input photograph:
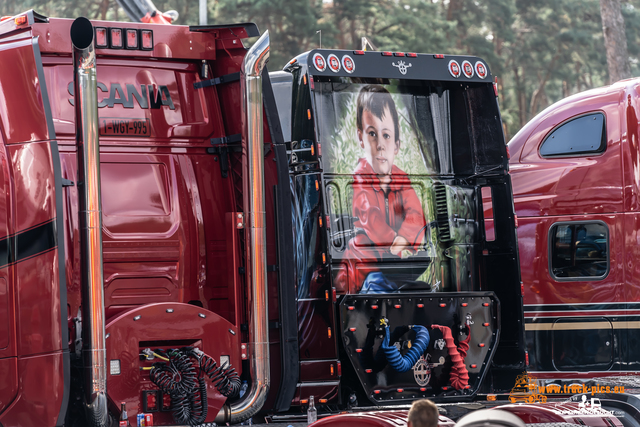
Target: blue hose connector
(404, 363)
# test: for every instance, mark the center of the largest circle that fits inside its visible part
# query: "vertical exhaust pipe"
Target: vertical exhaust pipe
(254, 206)
(90, 217)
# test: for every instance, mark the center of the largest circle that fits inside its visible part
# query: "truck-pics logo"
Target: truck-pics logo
(528, 390)
(402, 66)
(154, 96)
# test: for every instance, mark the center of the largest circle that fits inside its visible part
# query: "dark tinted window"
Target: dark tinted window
(579, 250)
(583, 135)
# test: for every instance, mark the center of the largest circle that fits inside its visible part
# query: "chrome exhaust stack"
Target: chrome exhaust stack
(90, 218)
(255, 218)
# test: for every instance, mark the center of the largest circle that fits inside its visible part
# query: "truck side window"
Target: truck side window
(579, 250)
(584, 135)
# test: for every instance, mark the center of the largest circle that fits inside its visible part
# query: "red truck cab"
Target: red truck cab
(576, 182)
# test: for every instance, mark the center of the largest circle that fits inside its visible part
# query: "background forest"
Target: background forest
(541, 50)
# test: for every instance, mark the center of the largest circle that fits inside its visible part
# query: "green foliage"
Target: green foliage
(541, 50)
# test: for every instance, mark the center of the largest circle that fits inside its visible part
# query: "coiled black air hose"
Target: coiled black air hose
(186, 385)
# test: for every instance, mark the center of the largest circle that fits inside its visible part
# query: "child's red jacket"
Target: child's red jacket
(382, 216)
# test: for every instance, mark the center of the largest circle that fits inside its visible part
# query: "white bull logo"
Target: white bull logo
(402, 66)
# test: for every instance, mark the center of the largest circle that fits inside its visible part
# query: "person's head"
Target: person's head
(378, 127)
(423, 413)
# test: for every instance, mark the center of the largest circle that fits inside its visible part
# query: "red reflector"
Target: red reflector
(358, 350)
(423, 389)
(522, 288)
(376, 391)
(412, 55)
(116, 38)
(398, 54)
(445, 388)
(474, 366)
(375, 307)
(351, 307)
(147, 39)
(485, 304)
(420, 305)
(339, 369)
(443, 305)
(368, 371)
(495, 87)
(359, 52)
(515, 220)
(397, 306)
(481, 344)
(21, 20)
(387, 53)
(333, 294)
(101, 37)
(132, 38)
(508, 153)
(526, 358)
(439, 56)
(352, 329)
(485, 324)
(400, 390)
(467, 386)
(464, 304)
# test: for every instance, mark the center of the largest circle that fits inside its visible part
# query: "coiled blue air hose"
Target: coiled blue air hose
(404, 363)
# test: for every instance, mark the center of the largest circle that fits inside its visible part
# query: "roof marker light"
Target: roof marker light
(101, 38)
(398, 54)
(438, 56)
(116, 38)
(387, 53)
(412, 55)
(358, 52)
(147, 39)
(21, 20)
(132, 38)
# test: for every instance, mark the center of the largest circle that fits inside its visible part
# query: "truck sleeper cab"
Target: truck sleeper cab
(575, 180)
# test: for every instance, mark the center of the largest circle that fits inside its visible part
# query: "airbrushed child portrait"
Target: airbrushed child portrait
(388, 214)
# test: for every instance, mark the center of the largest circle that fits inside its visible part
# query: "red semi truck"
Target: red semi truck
(576, 180)
(162, 243)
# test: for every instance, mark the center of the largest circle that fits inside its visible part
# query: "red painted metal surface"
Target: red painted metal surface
(167, 238)
(165, 325)
(374, 419)
(40, 382)
(599, 187)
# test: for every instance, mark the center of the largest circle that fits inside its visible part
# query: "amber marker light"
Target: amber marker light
(132, 38)
(101, 38)
(147, 39)
(116, 38)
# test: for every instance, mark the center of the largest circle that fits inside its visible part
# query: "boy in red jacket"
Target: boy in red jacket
(384, 202)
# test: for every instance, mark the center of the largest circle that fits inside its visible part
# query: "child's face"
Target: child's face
(378, 140)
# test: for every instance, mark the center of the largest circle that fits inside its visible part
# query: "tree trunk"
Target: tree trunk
(615, 40)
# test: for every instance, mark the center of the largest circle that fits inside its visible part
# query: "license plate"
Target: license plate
(116, 126)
